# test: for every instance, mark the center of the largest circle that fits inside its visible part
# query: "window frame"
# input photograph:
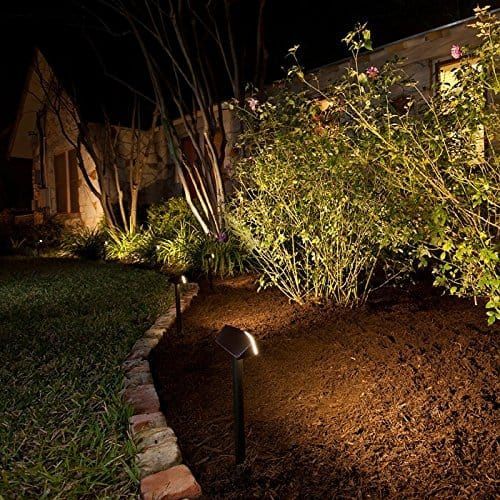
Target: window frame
(71, 199)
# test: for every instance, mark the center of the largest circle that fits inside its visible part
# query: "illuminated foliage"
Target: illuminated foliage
(370, 173)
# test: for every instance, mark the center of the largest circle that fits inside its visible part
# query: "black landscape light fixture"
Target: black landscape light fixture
(210, 259)
(176, 280)
(38, 246)
(239, 344)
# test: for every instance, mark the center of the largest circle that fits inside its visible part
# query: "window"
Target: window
(66, 174)
(447, 79)
(447, 73)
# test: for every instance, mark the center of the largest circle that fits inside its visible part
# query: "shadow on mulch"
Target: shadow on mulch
(397, 399)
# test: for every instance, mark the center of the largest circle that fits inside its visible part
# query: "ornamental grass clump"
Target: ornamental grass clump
(84, 243)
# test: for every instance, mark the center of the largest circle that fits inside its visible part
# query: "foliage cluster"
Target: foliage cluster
(85, 243)
(30, 238)
(172, 239)
(345, 187)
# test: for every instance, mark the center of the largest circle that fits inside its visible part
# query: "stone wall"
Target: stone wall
(157, 180)
(44, 192)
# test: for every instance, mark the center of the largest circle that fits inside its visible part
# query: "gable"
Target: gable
(31, 102)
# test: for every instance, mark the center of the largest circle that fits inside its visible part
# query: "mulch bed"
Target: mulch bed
(396, 399)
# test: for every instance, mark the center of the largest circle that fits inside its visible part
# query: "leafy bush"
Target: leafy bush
(456, 174)
(368, 173)
(313, 207)
(165, 219)
(223, 258)
(182, 246)
(29, 238)
(85, 243)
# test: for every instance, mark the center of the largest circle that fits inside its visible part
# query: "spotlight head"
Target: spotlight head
(238, 343)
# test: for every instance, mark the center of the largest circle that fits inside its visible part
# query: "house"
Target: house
(46, 133)
(62, 190)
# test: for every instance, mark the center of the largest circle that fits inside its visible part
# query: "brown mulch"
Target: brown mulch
(396, 399)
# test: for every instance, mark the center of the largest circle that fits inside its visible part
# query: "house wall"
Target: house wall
(421, 53)
(232, 127)
(44, 192)
(158, 180)
(158, 176)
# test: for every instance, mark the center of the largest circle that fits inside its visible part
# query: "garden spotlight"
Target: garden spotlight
(176, 281)
(239, 344)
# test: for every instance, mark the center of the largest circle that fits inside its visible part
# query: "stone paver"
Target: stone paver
(142, 348)
(135, 365)
(172, 484)
(159, 457)
(154, 437)
(142, 398)
(155, 332)
(139, 378)
(146, 421)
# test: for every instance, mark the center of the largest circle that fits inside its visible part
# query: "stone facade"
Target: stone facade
(44, 191)
(157, 180)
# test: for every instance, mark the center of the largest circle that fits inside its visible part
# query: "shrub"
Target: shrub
(29, 238)
(338, 182)
(179, 254)
(456, 173)
(84, 243)
(182, 245)
(314, 207)
(164, 219)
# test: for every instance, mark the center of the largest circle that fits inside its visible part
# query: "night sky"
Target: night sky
(67, 32)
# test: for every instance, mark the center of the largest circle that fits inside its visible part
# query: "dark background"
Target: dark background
(79, 48)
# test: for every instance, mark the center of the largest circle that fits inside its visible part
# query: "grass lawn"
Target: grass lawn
(65, 328)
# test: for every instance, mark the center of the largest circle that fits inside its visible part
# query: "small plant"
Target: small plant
(223, 257)
(131, 247)
(179, 254)
(17, 244)
(84, 243)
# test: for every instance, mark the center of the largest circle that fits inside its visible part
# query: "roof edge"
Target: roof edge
(29, 75)
(400, 40)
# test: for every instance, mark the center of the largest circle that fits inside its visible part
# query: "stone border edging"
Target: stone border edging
(163, 476)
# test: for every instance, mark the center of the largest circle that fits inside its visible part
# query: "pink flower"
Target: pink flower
(456, 52)
(221, 237)
(252, 103)
(372, 72)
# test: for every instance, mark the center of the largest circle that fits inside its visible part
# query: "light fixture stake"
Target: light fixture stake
(178, 312)
(239, 344)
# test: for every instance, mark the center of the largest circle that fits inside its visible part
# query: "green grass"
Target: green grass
(65, 328)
